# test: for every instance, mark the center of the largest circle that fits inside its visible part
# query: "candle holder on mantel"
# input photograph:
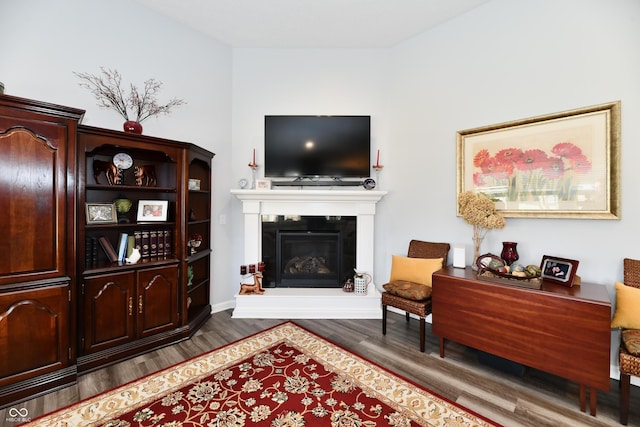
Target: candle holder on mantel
(254, 168)
(378, 168)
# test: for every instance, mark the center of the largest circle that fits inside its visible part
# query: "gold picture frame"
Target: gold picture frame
(561, 165)
(101, 213)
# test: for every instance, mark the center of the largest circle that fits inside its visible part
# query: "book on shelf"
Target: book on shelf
(153, 243)
(108, 249)
(131, 244)
(122, 246)
(167, 243)
(90, 251)
(145, 243)
(161, 244)
(137, 235)
(95, 247)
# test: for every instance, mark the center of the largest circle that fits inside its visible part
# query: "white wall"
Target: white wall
(505, 60)
(42, 42)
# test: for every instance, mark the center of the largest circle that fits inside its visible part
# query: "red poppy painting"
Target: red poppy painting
(560, 165)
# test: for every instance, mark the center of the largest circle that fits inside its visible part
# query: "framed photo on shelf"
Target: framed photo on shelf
(561, 165)
(194, 184)
(101, 213)
(558, 270)
(152, 210)
(263, 184)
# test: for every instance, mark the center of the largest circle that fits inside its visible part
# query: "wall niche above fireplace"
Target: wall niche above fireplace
(308, 251)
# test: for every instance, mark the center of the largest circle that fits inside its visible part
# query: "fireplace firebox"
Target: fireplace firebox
(308, 252)
(308, 258)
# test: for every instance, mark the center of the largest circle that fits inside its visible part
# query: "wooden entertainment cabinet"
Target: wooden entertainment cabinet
(561, 330)
(65, 307)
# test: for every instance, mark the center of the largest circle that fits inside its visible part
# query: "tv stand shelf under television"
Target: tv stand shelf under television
(316, 183)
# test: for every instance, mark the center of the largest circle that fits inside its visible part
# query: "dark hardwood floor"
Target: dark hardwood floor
(507, 395)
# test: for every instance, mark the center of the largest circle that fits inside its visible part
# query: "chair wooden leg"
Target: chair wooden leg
(384, 320)
(422, 327)
(407, 315)
(625, 389)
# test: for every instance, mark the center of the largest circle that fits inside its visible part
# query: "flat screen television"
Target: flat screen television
(317, 146)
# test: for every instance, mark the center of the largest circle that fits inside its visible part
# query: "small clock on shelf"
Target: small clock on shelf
(369, 184)
(122, 161)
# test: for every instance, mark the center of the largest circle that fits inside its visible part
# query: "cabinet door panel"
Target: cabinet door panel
(34, 336)
(157, 300)
(32, 201)
(109, 311)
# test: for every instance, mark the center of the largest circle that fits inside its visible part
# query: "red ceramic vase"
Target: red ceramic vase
(132, 127)
(509, 252)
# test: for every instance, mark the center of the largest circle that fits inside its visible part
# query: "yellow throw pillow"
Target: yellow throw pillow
(627, 314)
(418, 270)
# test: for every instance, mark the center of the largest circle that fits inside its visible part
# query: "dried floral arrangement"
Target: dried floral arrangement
(479, 211)
(137, 105)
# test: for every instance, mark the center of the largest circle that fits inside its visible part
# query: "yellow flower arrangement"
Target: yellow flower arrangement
(479, 211)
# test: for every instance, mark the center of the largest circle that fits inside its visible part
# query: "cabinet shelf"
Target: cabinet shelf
(116, 267)
(129, 225)
(199, 255)
(194, 288)
(132, 188)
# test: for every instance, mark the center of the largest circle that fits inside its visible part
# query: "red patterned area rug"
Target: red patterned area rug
(285, 376)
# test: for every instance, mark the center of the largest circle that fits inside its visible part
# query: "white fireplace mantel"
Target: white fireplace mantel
(358, 203)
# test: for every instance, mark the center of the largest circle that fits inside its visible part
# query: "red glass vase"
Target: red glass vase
(132, 127)
(509, 252)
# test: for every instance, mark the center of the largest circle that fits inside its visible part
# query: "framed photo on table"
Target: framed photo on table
(561, 165)
(152, 210)
(558, 270)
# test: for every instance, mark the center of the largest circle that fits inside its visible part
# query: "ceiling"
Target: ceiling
(311, 23)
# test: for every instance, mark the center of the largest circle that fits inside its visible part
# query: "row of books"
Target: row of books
(150, 243)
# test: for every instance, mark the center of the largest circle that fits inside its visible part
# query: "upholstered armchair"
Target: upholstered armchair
(409, 287)
(627, 317)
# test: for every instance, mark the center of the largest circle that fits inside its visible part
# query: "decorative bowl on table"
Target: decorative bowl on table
(494, 265)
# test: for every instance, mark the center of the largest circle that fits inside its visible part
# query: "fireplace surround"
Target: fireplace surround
(310, 302)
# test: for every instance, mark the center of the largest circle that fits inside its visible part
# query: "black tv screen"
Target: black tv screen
(317, 146)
